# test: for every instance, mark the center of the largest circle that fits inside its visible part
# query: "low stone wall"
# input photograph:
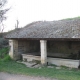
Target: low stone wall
(64, 62)
(30, 57)
(56, 61)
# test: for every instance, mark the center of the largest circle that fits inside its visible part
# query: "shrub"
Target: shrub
(4, 52)
(6, 58)
(3, 42)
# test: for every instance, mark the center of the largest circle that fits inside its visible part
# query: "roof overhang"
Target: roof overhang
(54, 39)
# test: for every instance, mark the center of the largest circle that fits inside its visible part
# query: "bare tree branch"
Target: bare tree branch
(2, 14)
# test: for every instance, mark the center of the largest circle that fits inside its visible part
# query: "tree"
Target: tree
(2, 14)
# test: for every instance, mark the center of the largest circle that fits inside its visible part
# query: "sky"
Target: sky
(27, 11)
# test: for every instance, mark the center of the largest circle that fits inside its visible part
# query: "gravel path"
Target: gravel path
(7, 76)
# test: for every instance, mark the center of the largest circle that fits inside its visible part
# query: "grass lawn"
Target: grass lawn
(61, 74)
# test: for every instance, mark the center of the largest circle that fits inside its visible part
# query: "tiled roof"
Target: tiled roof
(48, 29)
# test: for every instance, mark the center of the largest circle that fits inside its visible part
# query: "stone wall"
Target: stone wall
(13, 52)
(64, 62)
(61, 49)
(28, 47)
(65, 49)
(18, 47)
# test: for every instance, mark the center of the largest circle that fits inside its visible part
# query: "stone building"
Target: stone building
(56, 42)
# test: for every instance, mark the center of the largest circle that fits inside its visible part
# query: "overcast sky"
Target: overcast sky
(27, 11)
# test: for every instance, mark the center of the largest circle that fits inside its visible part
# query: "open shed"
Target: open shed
(56, 42)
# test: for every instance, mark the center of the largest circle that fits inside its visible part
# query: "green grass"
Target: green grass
(72, 18)
(18, 68)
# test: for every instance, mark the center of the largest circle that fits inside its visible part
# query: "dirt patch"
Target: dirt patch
(7, 76)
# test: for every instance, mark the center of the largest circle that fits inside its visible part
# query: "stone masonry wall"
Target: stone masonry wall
(62, 49)
(16, 55)
(28, 47)
(13, 52)
(66, 49)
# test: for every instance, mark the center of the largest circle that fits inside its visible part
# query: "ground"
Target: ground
(8, 76)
